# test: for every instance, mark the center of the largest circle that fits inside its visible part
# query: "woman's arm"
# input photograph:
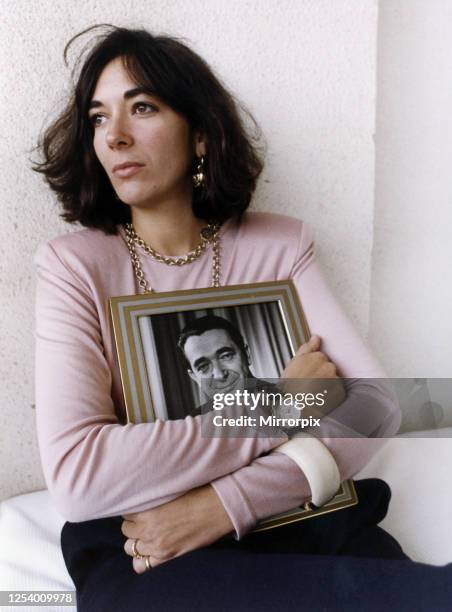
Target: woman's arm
(94, 466)
(274, 483)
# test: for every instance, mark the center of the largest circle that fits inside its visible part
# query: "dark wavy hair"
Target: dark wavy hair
(184, 81)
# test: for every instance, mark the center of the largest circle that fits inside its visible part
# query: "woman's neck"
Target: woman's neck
(170, 230)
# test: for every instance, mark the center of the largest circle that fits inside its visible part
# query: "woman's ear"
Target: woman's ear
(200, 144)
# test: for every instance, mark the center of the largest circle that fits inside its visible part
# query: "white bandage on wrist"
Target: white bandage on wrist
(317, 463)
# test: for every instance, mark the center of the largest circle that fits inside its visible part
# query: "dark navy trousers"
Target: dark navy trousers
(339, 561)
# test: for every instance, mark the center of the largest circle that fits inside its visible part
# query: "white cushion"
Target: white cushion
(30, 553)
(420, 513)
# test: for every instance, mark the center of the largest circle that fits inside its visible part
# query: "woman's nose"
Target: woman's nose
(118, 134)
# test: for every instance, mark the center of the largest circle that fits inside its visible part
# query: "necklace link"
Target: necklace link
(209, 235)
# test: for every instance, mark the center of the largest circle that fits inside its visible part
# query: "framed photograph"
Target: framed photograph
(177, 350)
(157, 379)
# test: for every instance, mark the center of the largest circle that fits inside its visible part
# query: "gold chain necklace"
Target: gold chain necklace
(209, 234)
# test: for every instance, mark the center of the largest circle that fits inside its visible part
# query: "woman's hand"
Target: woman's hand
(191, 521)
(310, 371)
(310, 362)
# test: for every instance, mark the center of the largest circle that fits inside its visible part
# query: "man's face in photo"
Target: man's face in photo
(216, 362)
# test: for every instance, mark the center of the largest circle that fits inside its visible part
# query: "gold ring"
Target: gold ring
(147, 562)
(135, 552)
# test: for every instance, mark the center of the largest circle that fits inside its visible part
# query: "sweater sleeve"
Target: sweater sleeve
(93, 465)
(353, 432)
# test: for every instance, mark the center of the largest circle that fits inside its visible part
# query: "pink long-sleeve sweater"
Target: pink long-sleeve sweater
(96, 465)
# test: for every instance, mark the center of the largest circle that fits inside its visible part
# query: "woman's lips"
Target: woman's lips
(127, 171)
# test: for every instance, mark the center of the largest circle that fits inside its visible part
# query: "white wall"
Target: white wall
(307, 70)
(410, 321)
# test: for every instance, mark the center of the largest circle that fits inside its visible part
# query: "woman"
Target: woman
(151, 147)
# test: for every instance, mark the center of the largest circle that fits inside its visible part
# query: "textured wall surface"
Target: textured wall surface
(410, 323)
(305, 68)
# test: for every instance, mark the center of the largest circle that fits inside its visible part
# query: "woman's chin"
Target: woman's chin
(134, 201)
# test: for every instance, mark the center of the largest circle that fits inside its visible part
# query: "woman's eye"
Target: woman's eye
(143, 107)
(96, 119)
(140, 108)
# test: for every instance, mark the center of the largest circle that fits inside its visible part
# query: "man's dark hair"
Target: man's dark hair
(203, 324)
(168, 68)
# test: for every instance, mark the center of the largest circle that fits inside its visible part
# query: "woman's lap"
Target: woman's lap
(339, 561)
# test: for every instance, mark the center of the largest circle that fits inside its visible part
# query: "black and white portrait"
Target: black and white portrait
(209, 351)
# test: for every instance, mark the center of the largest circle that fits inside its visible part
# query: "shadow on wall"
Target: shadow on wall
(426, 403)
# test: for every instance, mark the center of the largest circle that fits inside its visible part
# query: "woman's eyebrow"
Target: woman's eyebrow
(130, 93)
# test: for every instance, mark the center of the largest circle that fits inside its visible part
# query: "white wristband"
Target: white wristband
(318, 464)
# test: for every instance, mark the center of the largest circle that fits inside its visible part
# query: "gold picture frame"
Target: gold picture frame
(146, 328)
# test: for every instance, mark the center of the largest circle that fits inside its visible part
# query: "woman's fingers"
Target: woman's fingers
(308, 363)
(139, 565)
(311, 346)
(129, 547)
(311, 371)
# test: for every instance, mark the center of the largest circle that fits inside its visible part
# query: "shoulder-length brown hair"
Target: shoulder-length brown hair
(185, 82)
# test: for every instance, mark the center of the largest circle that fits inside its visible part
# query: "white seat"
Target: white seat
(30, 553)
(420, 513)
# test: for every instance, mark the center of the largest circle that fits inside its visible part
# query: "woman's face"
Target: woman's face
(145, 147)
